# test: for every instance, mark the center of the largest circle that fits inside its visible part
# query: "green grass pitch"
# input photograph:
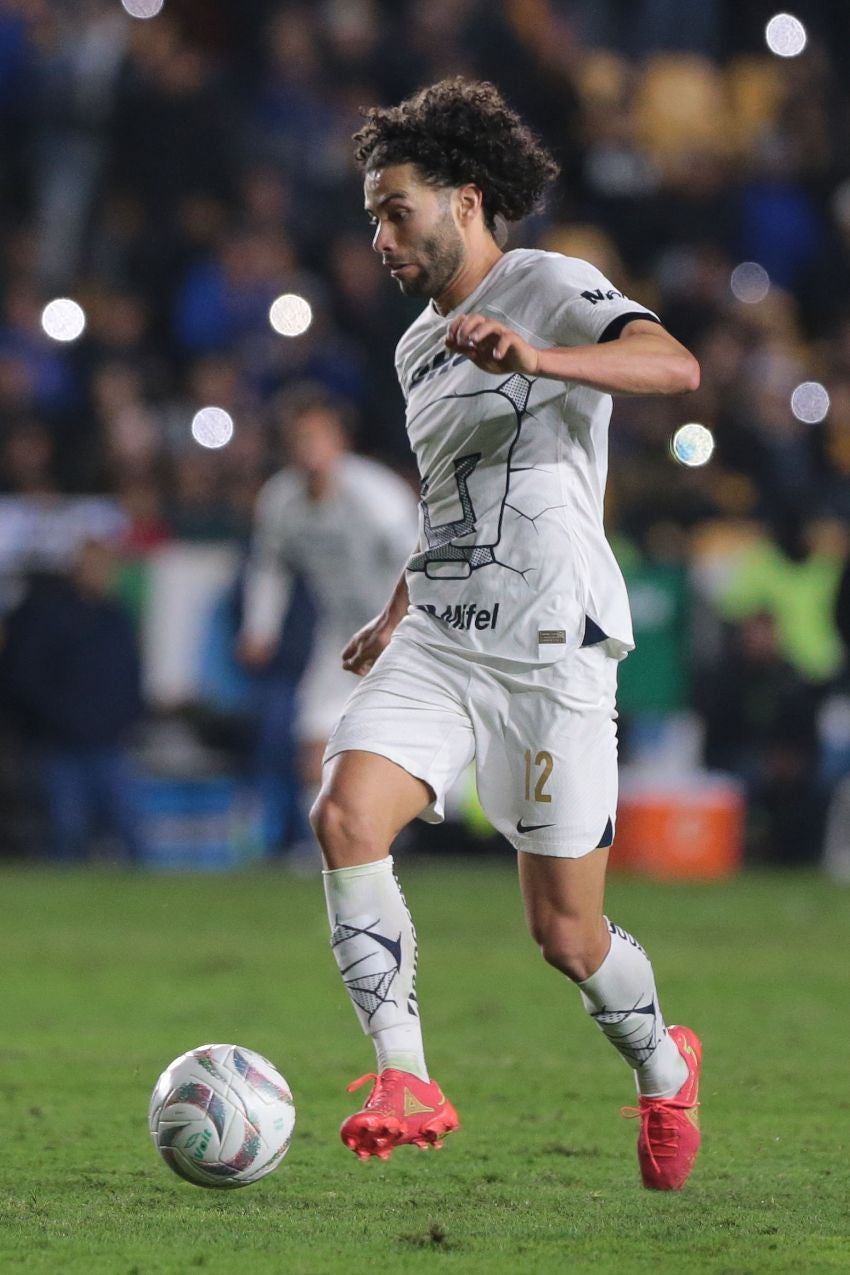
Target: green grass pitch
(107, 976)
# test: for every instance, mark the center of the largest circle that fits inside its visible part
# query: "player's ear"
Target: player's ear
(470, 203)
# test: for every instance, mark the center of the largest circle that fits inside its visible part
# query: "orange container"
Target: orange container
(690, 831)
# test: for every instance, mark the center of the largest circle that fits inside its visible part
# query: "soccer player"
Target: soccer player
(341, 522)
(502, 638)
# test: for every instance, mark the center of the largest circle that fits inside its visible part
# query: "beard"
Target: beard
(437, 261)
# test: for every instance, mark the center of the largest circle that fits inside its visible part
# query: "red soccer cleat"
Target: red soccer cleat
(669, 1127)
(400, 1110)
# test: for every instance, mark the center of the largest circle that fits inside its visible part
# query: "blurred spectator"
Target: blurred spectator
(40, 529)
(291, 109)
(71, 675)
(760, 719)
(224, 299)
(171, 129)
(27, 460)
(789, 579)
(81, 55)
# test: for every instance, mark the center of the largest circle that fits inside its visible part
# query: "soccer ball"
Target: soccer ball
(221, 1116)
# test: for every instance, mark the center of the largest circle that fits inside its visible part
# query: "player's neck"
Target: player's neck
(475, 268)
(320, 484)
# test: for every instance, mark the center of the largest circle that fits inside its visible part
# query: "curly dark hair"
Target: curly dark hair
(459, 131)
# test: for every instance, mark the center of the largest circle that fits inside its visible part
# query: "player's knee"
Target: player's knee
(329, 820)
(342, 831)
(570, 945)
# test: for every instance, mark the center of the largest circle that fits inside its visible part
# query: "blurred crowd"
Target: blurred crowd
(174, 176)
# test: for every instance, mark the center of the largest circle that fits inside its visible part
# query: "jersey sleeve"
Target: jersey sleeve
(586, 308)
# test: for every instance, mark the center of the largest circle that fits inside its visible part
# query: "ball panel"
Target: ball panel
(261, 1075)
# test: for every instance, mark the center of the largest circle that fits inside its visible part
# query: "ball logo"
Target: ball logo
(199, 1143)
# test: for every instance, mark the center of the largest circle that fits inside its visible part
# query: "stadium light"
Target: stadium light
(810, 402)
(785, 35)
(63, 319)
(750, 282)
(212, 427)
(692, 445)
(142, 8)
(290, 315)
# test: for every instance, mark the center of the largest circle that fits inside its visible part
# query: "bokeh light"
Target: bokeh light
(692, 445)
(212, 427)
(290, 315)
(810, 402)
(142, 8)
(63, 319)
(785, 35)
(750, 282)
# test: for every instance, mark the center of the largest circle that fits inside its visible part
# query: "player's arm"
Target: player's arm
(366, 645)
(644, 359)
(266, 592)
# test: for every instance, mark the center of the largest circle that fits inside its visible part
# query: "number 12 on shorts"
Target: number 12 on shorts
(538, 768)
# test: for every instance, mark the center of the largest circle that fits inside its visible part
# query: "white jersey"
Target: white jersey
(512, 559)
(349, 547)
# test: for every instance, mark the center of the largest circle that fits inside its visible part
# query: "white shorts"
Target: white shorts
(543, 738)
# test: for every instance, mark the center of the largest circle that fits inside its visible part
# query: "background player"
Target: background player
(343, 524)
(501, 642)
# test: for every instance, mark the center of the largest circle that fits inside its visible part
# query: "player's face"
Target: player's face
(314, 441)
(415, 230)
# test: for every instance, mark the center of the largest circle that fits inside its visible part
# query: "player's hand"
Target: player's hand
(254, 653)
(491, 345)
(366, 645)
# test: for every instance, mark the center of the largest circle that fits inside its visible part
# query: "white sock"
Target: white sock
(374, 944)
(622, 1000)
